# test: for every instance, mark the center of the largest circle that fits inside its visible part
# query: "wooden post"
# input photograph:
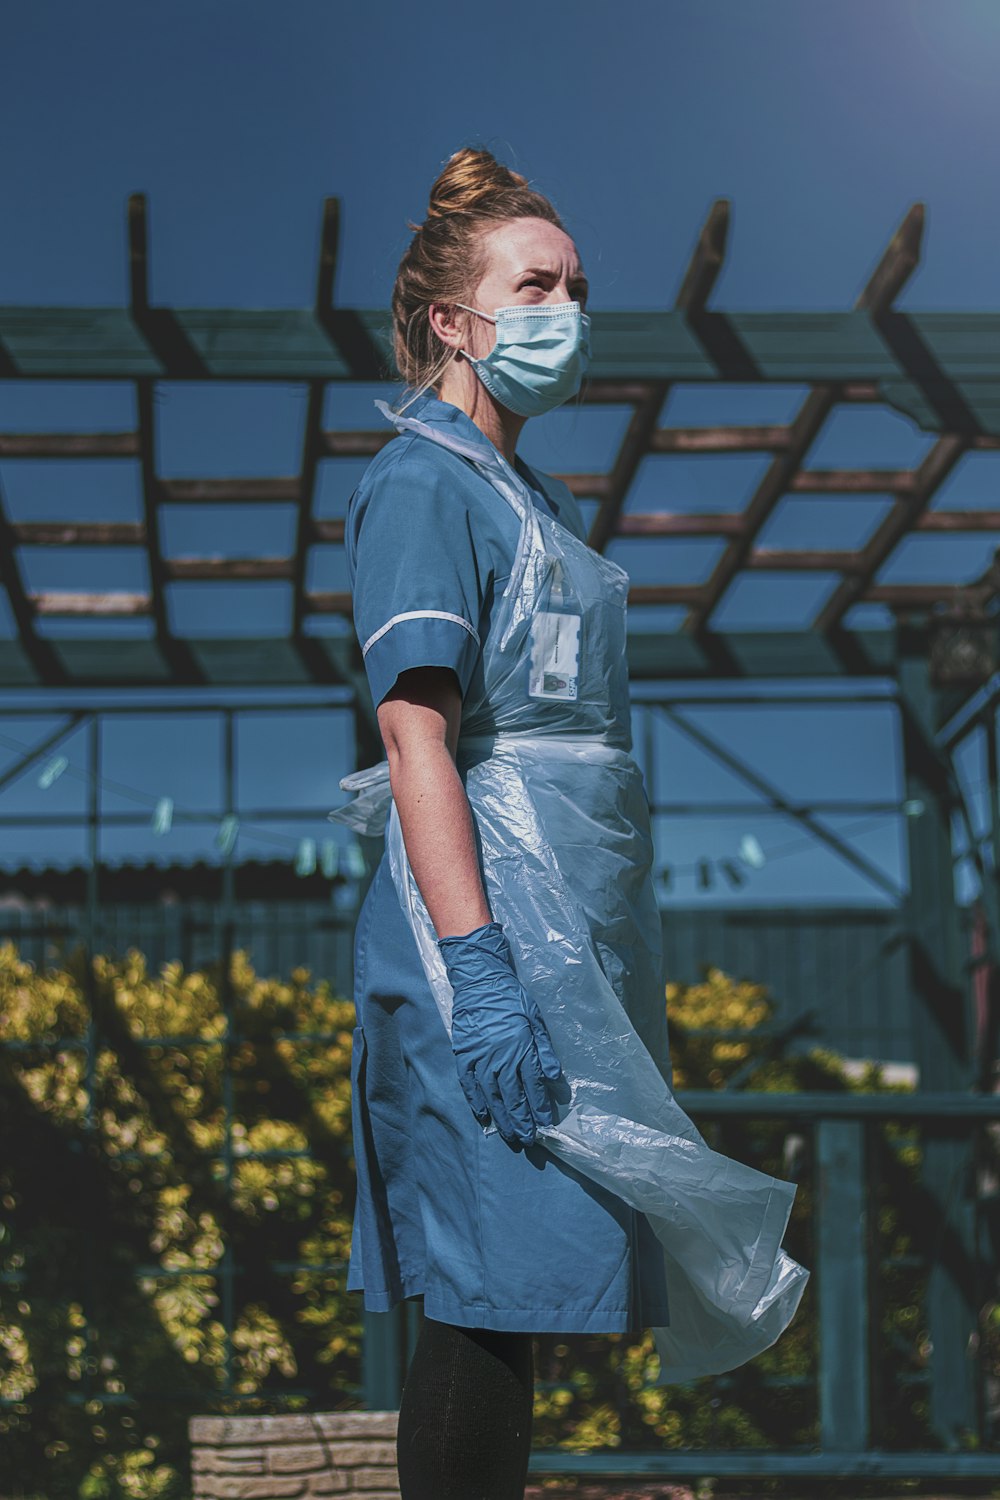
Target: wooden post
(942, 1017)
(842, 1282)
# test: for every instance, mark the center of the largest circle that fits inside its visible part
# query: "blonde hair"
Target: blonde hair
(446, 257)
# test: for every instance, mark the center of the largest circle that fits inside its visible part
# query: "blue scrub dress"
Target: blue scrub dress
(490, 1237)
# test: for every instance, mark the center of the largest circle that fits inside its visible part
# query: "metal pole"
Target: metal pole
(943, 1043)
(842, 1282)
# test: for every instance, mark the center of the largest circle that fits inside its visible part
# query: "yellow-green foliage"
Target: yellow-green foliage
(122, 1197)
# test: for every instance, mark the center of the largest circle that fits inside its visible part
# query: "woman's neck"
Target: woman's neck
(462, 388)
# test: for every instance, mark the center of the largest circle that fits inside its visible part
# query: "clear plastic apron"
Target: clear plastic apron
(566, 849)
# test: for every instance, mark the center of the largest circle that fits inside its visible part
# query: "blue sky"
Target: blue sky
(822, 122)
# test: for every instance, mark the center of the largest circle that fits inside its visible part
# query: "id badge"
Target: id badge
(554, 668)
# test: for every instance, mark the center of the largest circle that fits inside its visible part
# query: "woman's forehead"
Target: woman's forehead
(522, 243)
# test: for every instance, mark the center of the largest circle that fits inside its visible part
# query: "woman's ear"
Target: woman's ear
(448, 322)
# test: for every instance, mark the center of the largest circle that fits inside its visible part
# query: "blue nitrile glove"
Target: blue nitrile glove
(500, 1041)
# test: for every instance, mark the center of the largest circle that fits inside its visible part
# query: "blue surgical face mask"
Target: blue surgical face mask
(540, 356)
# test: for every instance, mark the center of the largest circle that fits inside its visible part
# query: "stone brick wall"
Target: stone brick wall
(340, 1454)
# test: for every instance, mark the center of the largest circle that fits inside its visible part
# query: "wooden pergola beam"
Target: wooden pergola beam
(896, 264)
(230, 569)
(851, 482)
(907, 509)
(256, 491)
(681, 523)
(918, 361)
(119, 604)
(39, 653)
(970, 521)
(77, 534)
(938, 367)
(653, 656)
(732, 523)
(159, 326)
(69, 445)
(790, 560)
(719, 440)
(353, 444)
(696, 288)
(313, 447)
(107, 606)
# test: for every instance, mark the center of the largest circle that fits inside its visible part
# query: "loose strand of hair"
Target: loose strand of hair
(430, 380)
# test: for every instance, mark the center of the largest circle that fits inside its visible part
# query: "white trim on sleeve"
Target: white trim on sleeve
(419, 614)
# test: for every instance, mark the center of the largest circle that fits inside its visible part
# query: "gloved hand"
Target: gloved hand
(500, 1041)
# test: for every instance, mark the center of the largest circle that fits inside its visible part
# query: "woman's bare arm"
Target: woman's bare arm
(419, 720)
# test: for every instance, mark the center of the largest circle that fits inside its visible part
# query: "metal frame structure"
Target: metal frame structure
(941, 369)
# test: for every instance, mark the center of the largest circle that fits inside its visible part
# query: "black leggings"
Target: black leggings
(465, 1415)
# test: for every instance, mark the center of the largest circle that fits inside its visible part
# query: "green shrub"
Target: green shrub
(124, 1201)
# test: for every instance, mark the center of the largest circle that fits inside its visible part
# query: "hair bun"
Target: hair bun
(469, 179)
(446, 258)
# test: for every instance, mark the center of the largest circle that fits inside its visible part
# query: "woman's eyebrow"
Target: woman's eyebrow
(547, 271)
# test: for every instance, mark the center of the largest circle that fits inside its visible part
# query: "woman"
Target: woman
(522, 1165)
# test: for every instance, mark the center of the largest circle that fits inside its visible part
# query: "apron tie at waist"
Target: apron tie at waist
(368, 812)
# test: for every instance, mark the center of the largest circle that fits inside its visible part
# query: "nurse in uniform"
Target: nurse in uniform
(458, 1204)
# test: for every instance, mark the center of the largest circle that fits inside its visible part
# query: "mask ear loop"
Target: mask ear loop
(475, 310)
(472, 358)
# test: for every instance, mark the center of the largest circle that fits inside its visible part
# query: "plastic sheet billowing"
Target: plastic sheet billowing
(368, 812)
(562, 823)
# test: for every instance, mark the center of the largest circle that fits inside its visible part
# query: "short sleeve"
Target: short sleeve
(417, 571)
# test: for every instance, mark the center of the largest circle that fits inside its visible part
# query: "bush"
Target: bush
(125, 1204)
(136, 1228)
